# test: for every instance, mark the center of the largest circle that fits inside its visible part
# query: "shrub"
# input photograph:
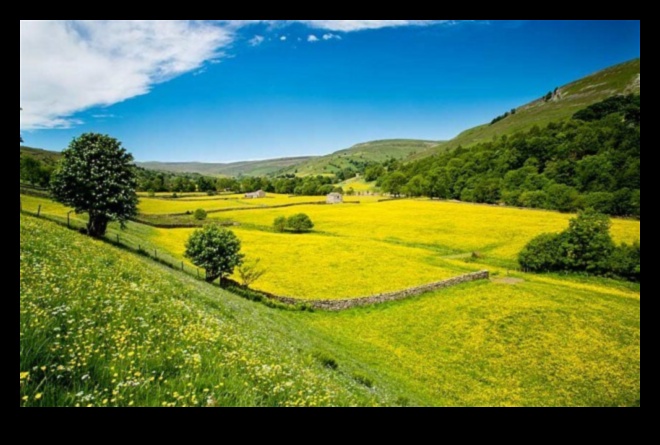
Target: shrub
(586, 246)
(215, 250)
(280, 224)
(543, 254)
(588, 242)
(250, 272)
(299, 223)
(200, 214)
(625, 261)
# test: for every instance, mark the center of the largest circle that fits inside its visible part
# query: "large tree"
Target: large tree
(97, 176)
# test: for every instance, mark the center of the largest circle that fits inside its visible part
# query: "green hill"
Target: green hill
(103, 327)
(376, 151)
(45, 156)
(619, 79)
(246, 168)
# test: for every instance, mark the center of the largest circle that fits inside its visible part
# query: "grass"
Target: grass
(246, 168)
(376, 151)
(365, 249)
(619, 79)
(102, 327)
(537, 343)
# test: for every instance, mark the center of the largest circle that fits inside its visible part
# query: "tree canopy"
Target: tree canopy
(97, 176)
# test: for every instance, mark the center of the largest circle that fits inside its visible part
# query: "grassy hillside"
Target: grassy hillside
(377, 151)
(619, 79)
(247, 168)
(45, 156)
(102, 327)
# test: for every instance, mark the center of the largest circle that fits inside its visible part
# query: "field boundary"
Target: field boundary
(251, 208)
(340, 305)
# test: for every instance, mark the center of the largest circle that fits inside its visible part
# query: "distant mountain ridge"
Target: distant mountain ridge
(560, 105)
(245, 168)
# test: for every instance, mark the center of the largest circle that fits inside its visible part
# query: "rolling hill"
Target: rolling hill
(376, 151)
(45, 156)
(246, 168)
(619, 79)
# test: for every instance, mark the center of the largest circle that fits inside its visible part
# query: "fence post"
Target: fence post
(39, 211)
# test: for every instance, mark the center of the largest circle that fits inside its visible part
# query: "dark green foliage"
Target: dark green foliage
(626, 261)
(586, 246)
(96, 176)
(200, 214)
(35, 172)
(280, 224)
(215, 250)
(299, 223)
(629, 105)
(561, 167)
(326, 360)
(588, 243)
(543, 254)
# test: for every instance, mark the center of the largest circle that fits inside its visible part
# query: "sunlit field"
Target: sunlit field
(363, 249)
(518, 340)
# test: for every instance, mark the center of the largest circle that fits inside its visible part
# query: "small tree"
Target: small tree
(200, 214)
(300, 223)
(250, 272)
(215, 250)
(280, 224)
(97, 176)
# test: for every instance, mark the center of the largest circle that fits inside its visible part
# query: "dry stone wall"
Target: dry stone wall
(340, 305)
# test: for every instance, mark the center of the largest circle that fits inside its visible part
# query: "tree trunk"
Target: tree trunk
(97, 225)
(211, 276)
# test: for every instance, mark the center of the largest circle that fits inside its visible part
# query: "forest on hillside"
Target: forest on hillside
(590, 161)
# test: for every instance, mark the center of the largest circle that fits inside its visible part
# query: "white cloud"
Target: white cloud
(73, 65)
(70, 66)
(360, 25)
(256, 40)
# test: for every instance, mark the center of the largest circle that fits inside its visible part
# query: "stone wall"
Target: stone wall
(340, 305)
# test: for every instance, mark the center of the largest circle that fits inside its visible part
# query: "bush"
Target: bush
(280, 224)
(299, 223)
(200, 214)
(586, 246)
(215, 250)
(588, 242)
(543, 254)
(625, 261)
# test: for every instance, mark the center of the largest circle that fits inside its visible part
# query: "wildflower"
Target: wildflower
(24, 375)
(38, 396)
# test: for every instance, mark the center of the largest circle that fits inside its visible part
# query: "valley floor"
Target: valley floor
(101, 326)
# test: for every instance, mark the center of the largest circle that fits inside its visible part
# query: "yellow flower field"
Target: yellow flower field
(497, 232)
(363, 249)
(316, 266)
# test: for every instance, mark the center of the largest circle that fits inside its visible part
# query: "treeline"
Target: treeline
(591, 161)
(159, 182)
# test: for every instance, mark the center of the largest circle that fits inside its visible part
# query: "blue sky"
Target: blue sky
(219, 91)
